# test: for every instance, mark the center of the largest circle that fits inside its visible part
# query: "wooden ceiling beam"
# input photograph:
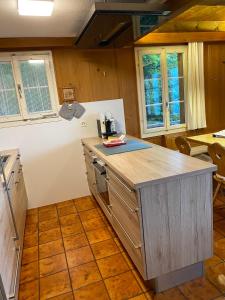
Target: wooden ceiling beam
(39, 42)
(180, 37)
(193, 26)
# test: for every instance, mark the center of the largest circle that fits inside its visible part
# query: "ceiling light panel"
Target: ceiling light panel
(35, 7)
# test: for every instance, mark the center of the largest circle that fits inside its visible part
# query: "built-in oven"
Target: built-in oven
(101, 181)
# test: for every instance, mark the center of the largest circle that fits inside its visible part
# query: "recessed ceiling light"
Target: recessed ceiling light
(35, 7)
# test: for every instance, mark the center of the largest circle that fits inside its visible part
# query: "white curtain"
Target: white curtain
(196, 117)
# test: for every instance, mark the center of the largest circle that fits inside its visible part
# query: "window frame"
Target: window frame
(167, 128)
(25, 117)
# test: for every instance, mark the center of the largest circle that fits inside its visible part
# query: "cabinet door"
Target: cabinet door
(91, 177)
(8, 251)
(90, 171)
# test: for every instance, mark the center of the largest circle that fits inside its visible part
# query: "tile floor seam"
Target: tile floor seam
(103, 279)
(96, 263)
(182, 293)
(50, 255)
(221, 293)
(54, 272)
(94, 256)
(66, 257)
(100, 217)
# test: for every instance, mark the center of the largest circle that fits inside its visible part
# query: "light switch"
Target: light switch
(84, 124)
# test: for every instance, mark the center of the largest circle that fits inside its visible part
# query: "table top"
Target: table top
(206, 139)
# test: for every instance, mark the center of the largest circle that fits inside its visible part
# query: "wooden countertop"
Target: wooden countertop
(149, 166)
(10, 163)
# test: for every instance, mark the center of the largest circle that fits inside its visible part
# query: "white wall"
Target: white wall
(52, 156)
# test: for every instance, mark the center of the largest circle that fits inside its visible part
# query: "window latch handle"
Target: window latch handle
(167, 104)
(19, 90)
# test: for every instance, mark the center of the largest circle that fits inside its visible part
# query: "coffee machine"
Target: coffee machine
(106, 125)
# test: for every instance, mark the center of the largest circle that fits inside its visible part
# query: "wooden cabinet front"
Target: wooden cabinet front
(8, 254)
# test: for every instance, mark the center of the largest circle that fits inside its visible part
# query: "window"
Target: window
(27, 87)
(161, 87)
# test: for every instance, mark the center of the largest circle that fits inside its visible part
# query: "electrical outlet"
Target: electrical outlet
(84, 124)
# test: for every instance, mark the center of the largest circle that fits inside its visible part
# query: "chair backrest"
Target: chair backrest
(169, 139)
(183, 145)
(217, 153)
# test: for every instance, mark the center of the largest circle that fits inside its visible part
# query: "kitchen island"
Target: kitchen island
(159, 202)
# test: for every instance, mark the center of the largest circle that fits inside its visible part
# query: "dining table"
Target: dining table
(207, 139)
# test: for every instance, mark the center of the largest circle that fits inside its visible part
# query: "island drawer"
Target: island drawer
(126, 214)
(134, 249)
(88, 154)
(125, 192)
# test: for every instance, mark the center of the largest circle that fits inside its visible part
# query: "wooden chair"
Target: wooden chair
(217, 153)
(170, 142)
(184, 147)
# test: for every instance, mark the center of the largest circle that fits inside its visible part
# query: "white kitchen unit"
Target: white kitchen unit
(159, 202)
(13, 206)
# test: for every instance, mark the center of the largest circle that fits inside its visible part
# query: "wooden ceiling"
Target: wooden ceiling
(198, 18)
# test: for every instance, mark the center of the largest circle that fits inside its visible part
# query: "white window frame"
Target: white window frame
(25, 117)
(167, 128)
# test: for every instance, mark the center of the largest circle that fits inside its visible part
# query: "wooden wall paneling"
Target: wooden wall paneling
(85, 69)
(72, 69)
(214, 56)
(179, 38)
(128, 89)
(37, 43)
(103, 75)
(91, 72)
(214, 85)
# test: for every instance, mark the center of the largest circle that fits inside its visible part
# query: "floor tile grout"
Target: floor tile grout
(107, 226)
(96, 262)
(66, 258)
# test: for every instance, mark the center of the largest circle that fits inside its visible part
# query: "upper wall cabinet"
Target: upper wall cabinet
(92, 73)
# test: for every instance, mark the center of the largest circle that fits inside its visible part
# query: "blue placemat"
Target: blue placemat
(131, 145)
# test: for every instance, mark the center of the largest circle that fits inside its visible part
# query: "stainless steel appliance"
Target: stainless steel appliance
(3, 162)
(2, 292)
(106, 125)
(7, 186)
(101, 182)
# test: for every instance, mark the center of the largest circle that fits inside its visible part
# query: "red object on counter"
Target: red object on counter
(113, 143)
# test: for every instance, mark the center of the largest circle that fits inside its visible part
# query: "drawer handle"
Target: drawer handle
(127, 235)
(124, 185)
(133, 210)
(13, 295)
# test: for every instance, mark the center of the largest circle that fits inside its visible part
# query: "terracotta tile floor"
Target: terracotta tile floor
(71, 252)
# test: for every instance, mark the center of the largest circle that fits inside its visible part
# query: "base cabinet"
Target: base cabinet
(13, 206)
(8, 252)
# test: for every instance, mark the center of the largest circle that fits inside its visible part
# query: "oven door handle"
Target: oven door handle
(100, 162)
(97, 169)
